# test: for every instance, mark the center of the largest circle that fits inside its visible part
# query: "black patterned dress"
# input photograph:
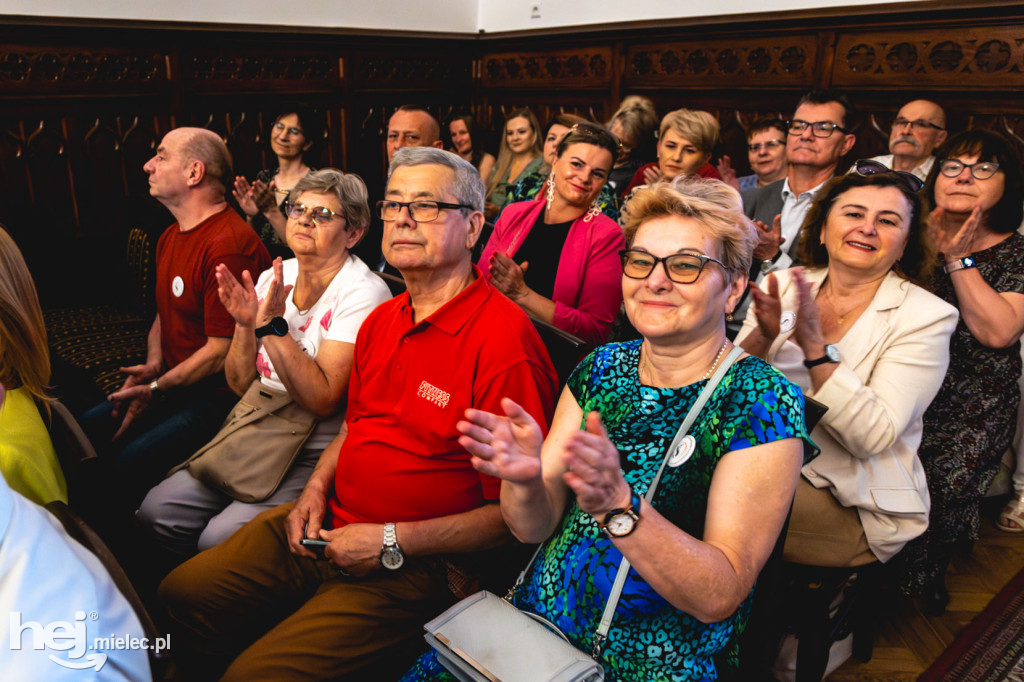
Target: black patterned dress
(968, 426)
(569, 584)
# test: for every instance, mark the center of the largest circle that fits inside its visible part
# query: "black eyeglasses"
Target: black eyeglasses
(420, 211)
(915, 125)
(868, 167)
(767, 146)
(982, 170)
(682, 268)
(818, 128)
(321, 214)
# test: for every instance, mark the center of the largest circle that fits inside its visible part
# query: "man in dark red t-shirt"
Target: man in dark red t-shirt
(174, 403)
(394, 495)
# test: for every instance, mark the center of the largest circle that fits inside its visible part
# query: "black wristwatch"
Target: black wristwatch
(618, 523)
(277, 326)
(831, 355)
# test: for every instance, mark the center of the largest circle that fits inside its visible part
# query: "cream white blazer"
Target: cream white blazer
(893, 361)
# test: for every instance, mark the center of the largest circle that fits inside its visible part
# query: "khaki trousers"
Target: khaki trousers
(823, 532)
(283, 617)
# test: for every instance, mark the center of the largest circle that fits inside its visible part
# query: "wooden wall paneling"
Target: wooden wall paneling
(577, 68)
(764, 62)
(64, 70)
(967, 57)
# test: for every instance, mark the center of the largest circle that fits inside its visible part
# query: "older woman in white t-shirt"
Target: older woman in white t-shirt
(295, 330)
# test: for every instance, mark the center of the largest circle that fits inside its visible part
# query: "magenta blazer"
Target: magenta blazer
(588, 284)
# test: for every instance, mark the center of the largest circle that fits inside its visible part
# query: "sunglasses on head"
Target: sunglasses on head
(867, 167)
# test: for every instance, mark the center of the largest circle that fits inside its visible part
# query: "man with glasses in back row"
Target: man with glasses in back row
(919, 128)
(818, 135)
(394, 497)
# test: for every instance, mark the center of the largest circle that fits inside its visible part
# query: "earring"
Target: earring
(551, 188)
(728, 317)
(595, 209)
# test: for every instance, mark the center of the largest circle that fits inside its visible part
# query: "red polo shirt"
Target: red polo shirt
(411, 383)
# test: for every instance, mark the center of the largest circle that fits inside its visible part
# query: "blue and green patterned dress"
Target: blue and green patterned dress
(569, 584)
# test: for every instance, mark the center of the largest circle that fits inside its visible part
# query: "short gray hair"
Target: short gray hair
(349, 188)
(468, 187)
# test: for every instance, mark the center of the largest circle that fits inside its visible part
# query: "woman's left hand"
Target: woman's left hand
(595, 475)
(952, 240)
(807, 333)
(273, 304)
(263, 196)
(507, 276)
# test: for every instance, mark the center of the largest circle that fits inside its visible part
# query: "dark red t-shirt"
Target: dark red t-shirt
(186, 287)
(411, 383)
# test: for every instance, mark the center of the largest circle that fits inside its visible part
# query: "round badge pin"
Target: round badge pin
(683, 452)
(787, 321)
(177, 287)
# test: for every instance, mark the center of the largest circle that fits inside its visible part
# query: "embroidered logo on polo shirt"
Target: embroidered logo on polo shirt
(433, 394)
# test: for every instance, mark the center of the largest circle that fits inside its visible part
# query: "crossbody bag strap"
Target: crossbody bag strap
(620, 578)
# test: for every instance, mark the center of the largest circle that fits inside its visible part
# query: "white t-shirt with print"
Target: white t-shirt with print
(336, 316)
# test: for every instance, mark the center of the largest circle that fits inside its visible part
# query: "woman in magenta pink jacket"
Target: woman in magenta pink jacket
(558, 256)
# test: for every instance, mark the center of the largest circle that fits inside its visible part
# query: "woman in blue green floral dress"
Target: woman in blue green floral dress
(697, 548)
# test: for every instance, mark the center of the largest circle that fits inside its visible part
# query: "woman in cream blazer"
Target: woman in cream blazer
(878, 346)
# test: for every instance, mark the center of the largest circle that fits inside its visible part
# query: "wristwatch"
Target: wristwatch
(391, 556)
(277, 326)
(831, 355)
(618, 523)
(960, 264)
(154, 389)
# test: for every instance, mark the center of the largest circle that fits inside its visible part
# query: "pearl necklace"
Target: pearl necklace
(714, 365)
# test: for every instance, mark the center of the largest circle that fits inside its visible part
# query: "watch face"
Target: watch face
(279, 325)
(392, 558)
(832, 353)
(621, 524)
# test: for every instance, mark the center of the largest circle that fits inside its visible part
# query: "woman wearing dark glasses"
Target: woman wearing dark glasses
(697, 546)
(857, 331)
(976, 187)
(295, 331)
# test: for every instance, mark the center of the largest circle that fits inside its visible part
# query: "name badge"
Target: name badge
(683, 452)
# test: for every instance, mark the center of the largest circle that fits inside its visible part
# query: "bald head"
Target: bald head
(919, 128)
(412, 126)
(206, 146)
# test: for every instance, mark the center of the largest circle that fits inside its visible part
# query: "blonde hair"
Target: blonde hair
(699, 128)
(714, 204)
(499, 173)
(24, 354)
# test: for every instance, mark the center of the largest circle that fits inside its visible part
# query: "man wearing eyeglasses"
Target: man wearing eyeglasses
(177, 399)
(919, 128)
(395, 496)
(818, 135)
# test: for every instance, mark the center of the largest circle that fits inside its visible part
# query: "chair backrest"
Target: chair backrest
(140, 257)
(69, 441)
(161, 664)
(395, 284)
(564, 348)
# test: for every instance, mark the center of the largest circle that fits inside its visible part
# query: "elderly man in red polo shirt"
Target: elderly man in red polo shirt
(394, 494)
